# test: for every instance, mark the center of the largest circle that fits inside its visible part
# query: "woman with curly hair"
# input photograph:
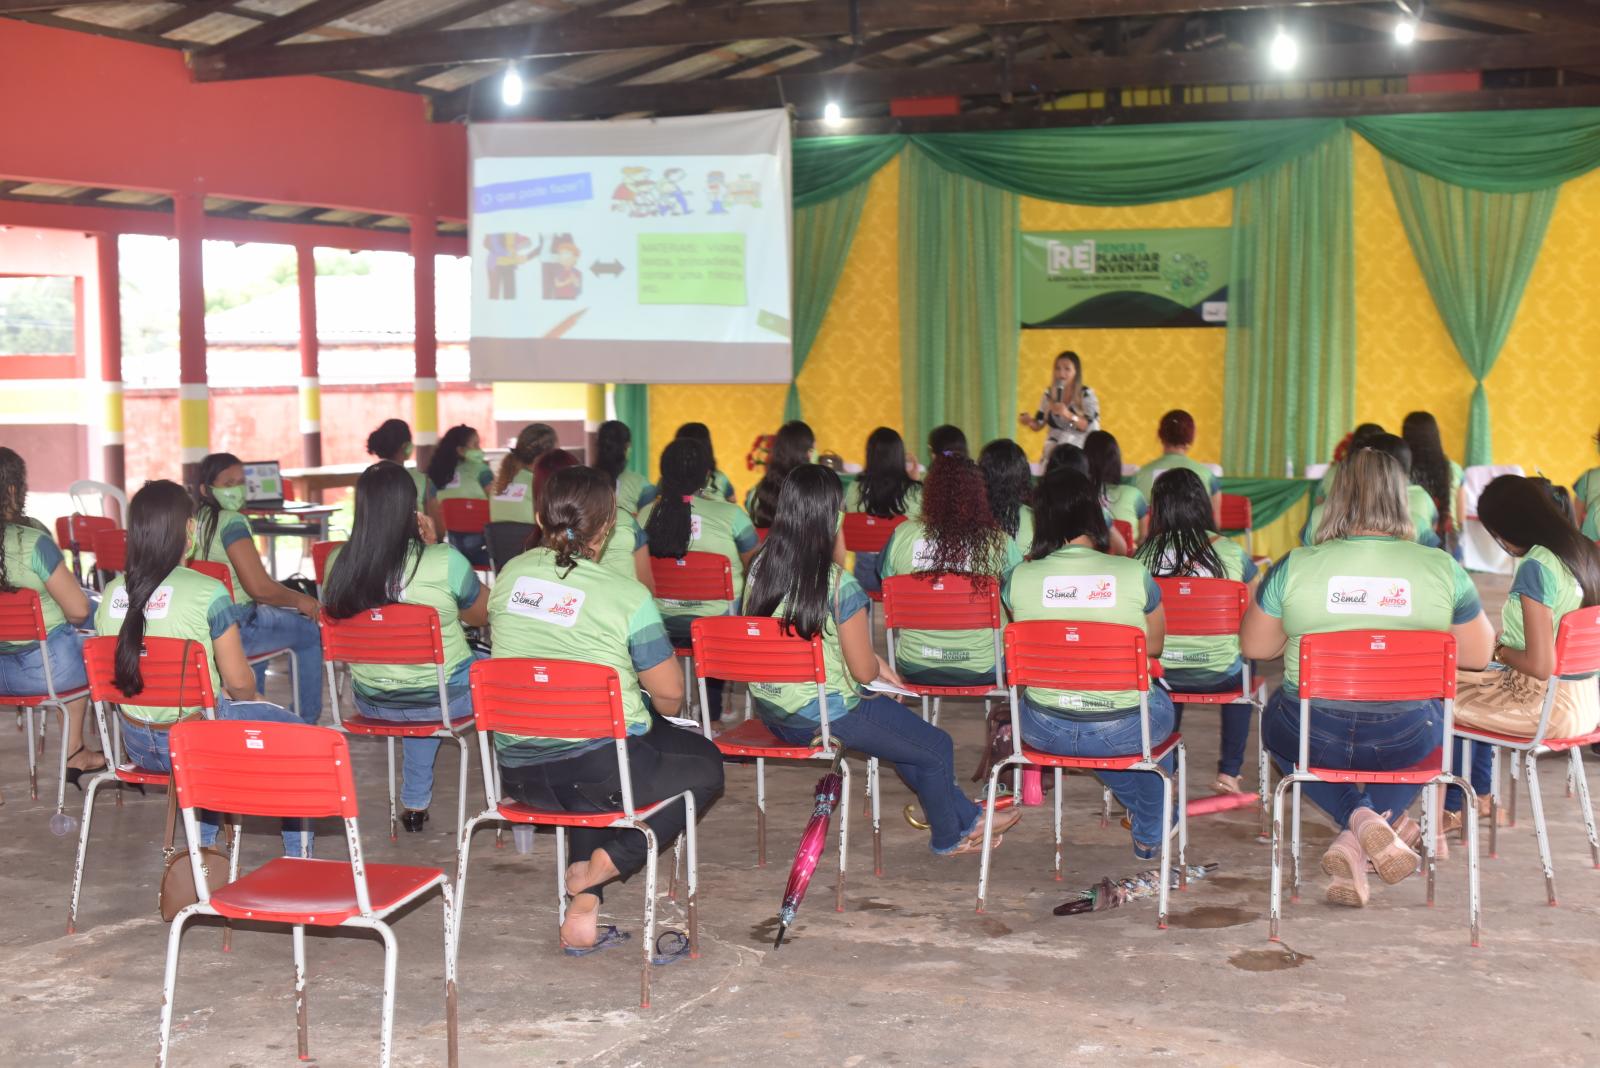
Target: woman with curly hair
(957, 534)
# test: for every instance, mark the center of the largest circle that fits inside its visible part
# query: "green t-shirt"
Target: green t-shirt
(31, 558)
(188, 605)
(231, 527)
(425, 488)
(912, 500)
(630, 486)
(718, 489)
(798, 700)
(1078, 583)
(1419, 505)
(1128, 504)
(472, 479)
(1364, 583)
(514, 504)
(1200, 658)
(1146, 476)
(1326, 485)
(714, 527)
(627, 538)
(1024, 538)
(1542, 577)
(1587, 489)
(1457, 477)
(440, 579)
(539, 610)
(938, 657)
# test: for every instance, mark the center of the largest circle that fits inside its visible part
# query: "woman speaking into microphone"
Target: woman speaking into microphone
(1067, 407)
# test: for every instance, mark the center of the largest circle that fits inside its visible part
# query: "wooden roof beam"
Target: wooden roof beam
(192, 12)
(304, 19)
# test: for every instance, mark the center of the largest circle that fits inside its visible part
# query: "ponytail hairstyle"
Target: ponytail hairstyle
(611, 448)
(883, 481)
(1359, 438)
(158, 533)
(389, 441)
(1520, 513)
(447, 455)
(1181, 528)
(946, 440)
(370, 570)
(701, 433)
(794, 568)
(1100, 448)
(577, 507)
(1066, 506)
(1430, 468)
(685, 467)
(791, 447)
(544, 469)
(535, 440)
(962, 532)
(208, 511)
(13, 500)
(1007, 480)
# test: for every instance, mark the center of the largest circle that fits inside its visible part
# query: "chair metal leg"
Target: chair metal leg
(461, 787)
(561, 877)
(170, 982)
(1433, 820)
(61, 777)
(394, 817)
(33, 759)
(690, 874)
(1182, 814)
(761, 812)
(844, 835)
(1511, 790)
(1473, 905)
(1466, 765)
(460, 903)
(936, 710)
(299, 938)
(1536, 803)
(391, 953)
(1105, 807)
(1263, 778)
(83, 848)
(988, 832)
(1058, 822)
(1275, 911)
(672, 876)
(1166, 851)
(1294, 847)
(1583, 800)
(873, 772)
(649, 912)
(1496, 768)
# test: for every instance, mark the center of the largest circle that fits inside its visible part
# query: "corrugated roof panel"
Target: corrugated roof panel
(133, 196)
(459, 77)
(116, 16)
(213, 29)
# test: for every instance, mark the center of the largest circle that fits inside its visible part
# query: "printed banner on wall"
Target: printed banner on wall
(1086, 279)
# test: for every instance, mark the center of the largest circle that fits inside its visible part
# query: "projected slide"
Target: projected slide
(637, 251)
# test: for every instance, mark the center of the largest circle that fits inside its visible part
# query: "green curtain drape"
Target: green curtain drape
(822, 236)
(826, 167)
(633, 408)
(1476, 251)
(1269, 497)
(1492, 151)
(1289, 373)
(958, 302)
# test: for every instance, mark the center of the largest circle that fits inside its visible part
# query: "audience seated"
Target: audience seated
(885, 489)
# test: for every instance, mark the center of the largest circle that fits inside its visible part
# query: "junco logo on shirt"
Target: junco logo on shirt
(1080, 591)
(1369, 595)
(549, 602)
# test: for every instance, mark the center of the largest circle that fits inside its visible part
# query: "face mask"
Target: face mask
(475, 455)
(406, 455)
(229, 497)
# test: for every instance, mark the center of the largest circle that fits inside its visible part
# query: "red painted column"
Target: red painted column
(310, 383)
(194, 396)
(109, 303)
(425, 387)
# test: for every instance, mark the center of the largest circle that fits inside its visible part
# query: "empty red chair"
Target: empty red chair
(176, 675)
(865, 533)
(296, 772)
(111, 549)
(396, 634)
(1577, 653)
(22, 624)
(1123, 527)
(465, 515)
(75, 534)
(757, 649)
(1368, 665)
(217, 570)
(1236, 518)
(1069, 655)
(927, 601)
(694, 576)
(320, 551)
(564, 699)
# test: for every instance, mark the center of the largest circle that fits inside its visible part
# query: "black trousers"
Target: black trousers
(664, 761)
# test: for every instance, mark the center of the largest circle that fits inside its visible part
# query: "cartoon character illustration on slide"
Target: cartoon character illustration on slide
(744, 191)
(717, 191)
(625, 196)
(674, 201)
(507, 252)
(563, 279)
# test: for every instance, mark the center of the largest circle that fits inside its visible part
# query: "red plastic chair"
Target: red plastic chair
(320, 551)
(927, 601)
(1577, 653)
(1125, 528)
(1068, 655)
(396, 634)
(1370, 665)
(694, 576)
(216, 570)
(757, 649)
(1236, 517)
(865, 533)
(761, 534)
(563, 699)
(1212, 607)
(296, 772)
(111, 550)
(465, 515)
(75, 534)
(176, 675)
(22, 623)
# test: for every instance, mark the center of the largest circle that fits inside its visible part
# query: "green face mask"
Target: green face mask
(475, 455)
(406, 455)
(229, 497)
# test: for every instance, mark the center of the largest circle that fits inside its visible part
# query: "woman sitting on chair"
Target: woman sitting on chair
(1365, 531)
(795, 578)
(884, 489)
(159, 597)
(1008, 483)
(607, 619)
(392, 442)
(395, 556)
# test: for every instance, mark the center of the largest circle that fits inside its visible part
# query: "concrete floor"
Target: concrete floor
(909, 974)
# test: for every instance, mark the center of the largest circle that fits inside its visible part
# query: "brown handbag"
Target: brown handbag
(177, 880)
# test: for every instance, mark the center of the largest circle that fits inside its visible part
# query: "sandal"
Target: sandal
(609, 936)
(1226, 784)
(678, 947)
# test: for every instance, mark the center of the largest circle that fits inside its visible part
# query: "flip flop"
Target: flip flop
(678, 947)
(609, 936)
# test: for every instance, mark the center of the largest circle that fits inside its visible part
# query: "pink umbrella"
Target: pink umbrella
(812, 842)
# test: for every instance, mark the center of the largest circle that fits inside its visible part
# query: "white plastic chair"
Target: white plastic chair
(86, 490)
(1479, 551)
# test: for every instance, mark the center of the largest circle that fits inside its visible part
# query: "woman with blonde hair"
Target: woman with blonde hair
(511, 494)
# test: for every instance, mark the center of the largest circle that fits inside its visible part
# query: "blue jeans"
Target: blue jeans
(866, 571)
(1235, 717)
(923, 754)
(23, 673)
(263, 628)
(1482, 773)
(1341, 737)
(475, 547)
(1138, 791)
(418, 754)
(147, 748)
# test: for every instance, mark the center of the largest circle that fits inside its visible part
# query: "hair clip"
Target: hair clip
(688, 498)
(572, 535)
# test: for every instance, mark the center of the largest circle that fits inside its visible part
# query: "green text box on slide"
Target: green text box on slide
(692, 269)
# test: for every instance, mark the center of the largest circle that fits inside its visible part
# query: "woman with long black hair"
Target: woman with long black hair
(1008, 484)
(720, 487)
(796, 579)
(393, 557)
(1436, 473)
(270, 615)
(1184, 543)
(1122, 499)
(883, 489)
(392, 442)
(613, 443)
(457, 470)
(158, 597)
(793, 445)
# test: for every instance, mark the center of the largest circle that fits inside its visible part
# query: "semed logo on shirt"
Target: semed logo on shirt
(158, 607)
(694, 527)
(548, 602)
(1080, 591)
(1369, 595)
(516, 492)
